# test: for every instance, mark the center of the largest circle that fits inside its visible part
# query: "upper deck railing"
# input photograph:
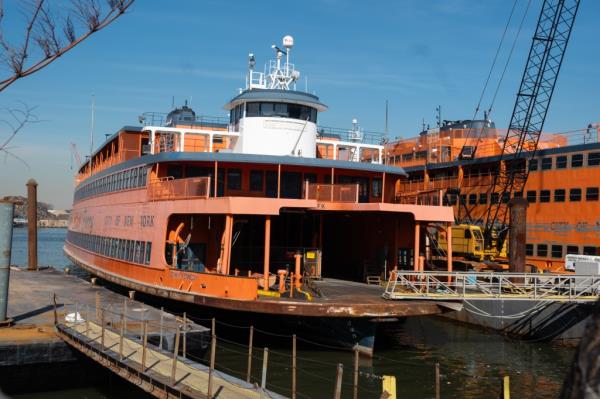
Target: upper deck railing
(199, 122)
(332, 192)
(168, 188)
(335, 133)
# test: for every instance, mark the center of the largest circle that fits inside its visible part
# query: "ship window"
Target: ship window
(518, 194)
(594, 159)
(234, 179)
(533, 164)
(266, 109)
(572, 249)
(472, 199)
(542, 250)
(557, 251)
(590, 250)
(175, 171)
(148, 252)
(529, 249)
(559, 195)
(576, 160)
(482, 198)
(546, 163)
(271, 184)
(494, 198)
(545, 196)
(256, 180)
(561, 162)
(591, 194)
(376, 187)
(575, 194)
(505, 197)
(463, 198)
(253, 109)
(281, 109)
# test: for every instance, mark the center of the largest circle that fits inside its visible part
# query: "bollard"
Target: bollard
(249, 372)
(32, 224)
(389, 386)
(6, 229)
(506, 387)
(338, 381)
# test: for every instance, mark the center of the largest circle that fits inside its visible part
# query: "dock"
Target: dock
(59, 318)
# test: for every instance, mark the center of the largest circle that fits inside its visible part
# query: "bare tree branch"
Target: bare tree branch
(47, 28)
(16, 119)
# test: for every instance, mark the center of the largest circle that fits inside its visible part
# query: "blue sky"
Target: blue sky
(356, 54)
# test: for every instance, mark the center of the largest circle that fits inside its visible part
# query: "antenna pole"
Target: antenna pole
(386, 119)
(92, 130)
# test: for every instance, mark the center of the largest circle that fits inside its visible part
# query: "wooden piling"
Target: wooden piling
(263, 379)
(97, 305)
(160, 339)
(144, 344)
(121, 337)
(249, 368)
(213, 349)
(55, 309)
(355, 385)
(337, 394)
(32, 225)
(437, 381)
(184, 333)
(102, 324)
(294, 366)
(175, 353)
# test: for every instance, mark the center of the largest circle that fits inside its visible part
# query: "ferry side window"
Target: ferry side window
(531, 196)
(376, 187)
(529, 249)
(533, 165)
(256, 180)
(546, 163)
(575, 194)
(590, 250)
(148, 252)
(234, 179)
(266, 109)
(557, 251)
(576, 160)
(559, 195)
(572, 249)
(591, 194)
(544, 195)
(542, 250)
(253, 109)
(483, 199)
(472, 199)
(281, 109)
(594, 159)
(561, 162)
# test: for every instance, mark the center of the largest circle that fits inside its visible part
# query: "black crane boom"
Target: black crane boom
(533, 99)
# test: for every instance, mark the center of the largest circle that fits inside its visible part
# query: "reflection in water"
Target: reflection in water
(472, 361)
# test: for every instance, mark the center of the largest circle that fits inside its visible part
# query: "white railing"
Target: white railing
(478, 285)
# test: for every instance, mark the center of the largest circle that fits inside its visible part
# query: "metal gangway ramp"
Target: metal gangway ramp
(489, 285)
(150, 353)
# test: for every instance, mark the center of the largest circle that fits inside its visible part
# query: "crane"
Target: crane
(543, 65)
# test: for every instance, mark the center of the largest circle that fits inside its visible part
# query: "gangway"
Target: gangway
(132, 349)
(492, 286)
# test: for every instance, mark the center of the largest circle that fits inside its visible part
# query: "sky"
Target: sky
(355, 55)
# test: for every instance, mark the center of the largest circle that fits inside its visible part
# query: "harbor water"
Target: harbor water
(472, 361)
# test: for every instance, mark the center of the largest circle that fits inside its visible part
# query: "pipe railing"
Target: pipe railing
(481, 285)
(169, 188)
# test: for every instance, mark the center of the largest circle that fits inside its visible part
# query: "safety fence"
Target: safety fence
(332, 192)
(169, 188)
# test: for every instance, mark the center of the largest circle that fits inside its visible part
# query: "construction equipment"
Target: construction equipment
(531, 106)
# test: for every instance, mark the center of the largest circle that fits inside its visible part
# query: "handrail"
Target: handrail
(482, 285)
(167, 188)
(331, 192)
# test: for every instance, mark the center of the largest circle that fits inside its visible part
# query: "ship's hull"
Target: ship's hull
(329, 323)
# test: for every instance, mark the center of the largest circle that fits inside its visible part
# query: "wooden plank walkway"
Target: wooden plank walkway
(153, 368)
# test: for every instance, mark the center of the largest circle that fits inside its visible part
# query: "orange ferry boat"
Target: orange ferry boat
(562, 188)
(264, 214)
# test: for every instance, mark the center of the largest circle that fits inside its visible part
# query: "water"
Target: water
(472, 361)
